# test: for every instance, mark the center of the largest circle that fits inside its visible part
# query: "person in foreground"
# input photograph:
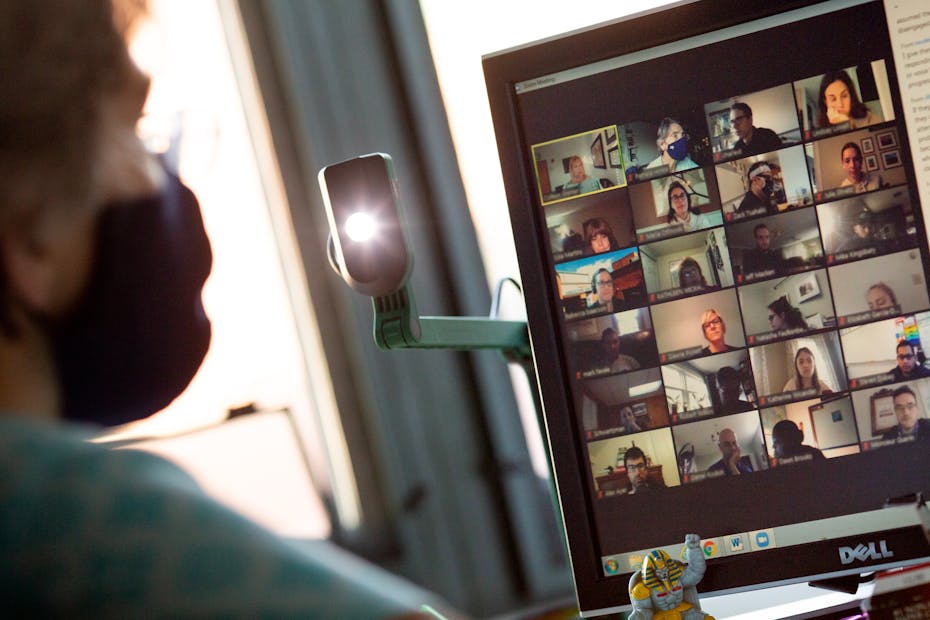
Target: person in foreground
(103, 257)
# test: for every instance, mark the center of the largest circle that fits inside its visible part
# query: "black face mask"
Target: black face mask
(769, 188)
(140, 332)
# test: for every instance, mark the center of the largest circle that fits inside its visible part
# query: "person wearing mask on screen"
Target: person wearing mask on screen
(732, 462)
(805, 374)
(762, 257)
(680, 211)
(611, 356)
(782, 315)
(910, 416)
(103, 257)
(598, 236)
(602, 287)
(752, 140)
(908, 365)
(579, 179)
(637, 469)
(729, 387)
(715, 331)
(839, 102)
(690, 274)
(787, 444)
(856, 177)
(672, 141)
(879, 296)
(761, 192)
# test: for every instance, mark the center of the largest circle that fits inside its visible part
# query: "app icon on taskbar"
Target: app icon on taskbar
(762, 539)
(611, 567)
(709, 547)
(736, 543)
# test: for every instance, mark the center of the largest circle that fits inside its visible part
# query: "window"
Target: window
(263, 329)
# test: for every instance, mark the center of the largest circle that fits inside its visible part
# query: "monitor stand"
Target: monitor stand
(847, 583)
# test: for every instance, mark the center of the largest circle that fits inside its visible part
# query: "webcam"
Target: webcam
(368, 247)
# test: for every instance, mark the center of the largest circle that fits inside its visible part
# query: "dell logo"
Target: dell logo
(862, 552)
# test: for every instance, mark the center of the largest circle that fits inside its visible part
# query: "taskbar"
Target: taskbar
(758, 541)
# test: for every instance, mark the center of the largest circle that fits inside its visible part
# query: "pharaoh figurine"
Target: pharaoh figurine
(665, 588)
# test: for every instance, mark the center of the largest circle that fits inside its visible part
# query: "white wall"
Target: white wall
(869, 347)
(902, 272)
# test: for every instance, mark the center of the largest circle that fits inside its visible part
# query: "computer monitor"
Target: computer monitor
(717, 213)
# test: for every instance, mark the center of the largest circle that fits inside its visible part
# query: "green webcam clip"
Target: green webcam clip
(368, 248)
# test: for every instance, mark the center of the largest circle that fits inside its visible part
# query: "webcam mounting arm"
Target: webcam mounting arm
(397, 326)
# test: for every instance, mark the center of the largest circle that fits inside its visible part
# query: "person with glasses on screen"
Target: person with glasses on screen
(637, 469)
(690, 274)
(782, 315)
(602, 287)
(680, 211)
(672, 140)
(715, 331)
(732, 462)
(762, 192)
(911, 421)
(752, 140)
(908, 367)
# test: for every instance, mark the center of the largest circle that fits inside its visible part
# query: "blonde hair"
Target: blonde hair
(709, 314)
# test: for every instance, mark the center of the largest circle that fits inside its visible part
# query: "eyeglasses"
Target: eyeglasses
(636, 466)
(905, 407)
(907, 356)
(679, 196)
(605, 282)
(712, 323)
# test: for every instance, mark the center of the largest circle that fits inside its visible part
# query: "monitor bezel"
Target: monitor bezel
(503, 71)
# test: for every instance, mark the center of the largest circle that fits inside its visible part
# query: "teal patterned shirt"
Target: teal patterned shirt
(87, 531)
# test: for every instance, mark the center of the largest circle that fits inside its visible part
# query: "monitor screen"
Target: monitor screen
(717, 212)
